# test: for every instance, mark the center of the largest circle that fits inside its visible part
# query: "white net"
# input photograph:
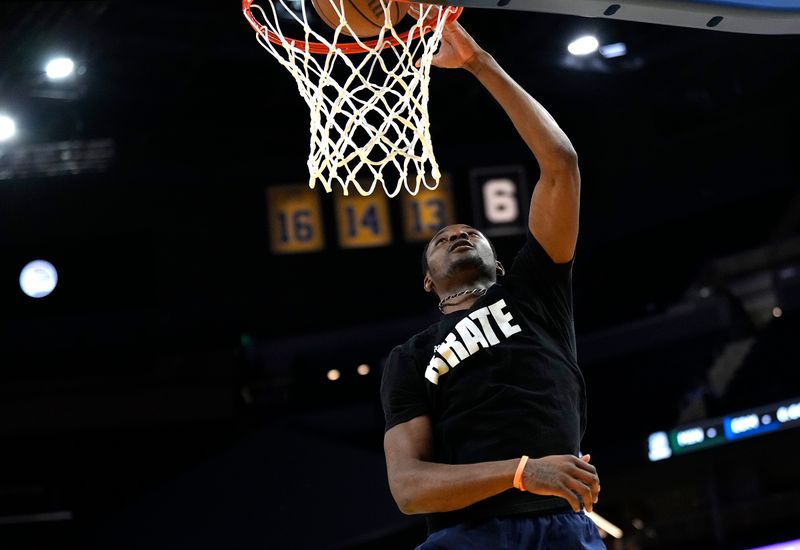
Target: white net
(369, 110)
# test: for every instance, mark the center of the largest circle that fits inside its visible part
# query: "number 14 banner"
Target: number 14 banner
(363, 222)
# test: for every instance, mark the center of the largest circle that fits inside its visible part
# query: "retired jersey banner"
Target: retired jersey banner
(500, 199)
(295, 219)
(363, 222)
(428, 211)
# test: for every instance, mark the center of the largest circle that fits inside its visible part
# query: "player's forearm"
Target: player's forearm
(548, 142)
(421, 487)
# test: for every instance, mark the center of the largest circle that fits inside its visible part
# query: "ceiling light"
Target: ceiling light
(7, 127)
(38, 279)
(583, 45)
(334, 375)
(363, 369)
(618, 49)
(58, 68)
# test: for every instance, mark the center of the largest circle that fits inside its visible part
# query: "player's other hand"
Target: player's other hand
(458, 49)
(565, 476)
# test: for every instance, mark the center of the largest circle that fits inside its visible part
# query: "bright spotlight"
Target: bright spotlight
(583, 45)
(58, 68)
(334, 375)
(777, 312)
(7, 127)
(363, 369)
(38, 278)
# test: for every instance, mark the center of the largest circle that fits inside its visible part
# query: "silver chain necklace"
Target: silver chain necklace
(479, 291)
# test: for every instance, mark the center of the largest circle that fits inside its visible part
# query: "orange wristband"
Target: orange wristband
(518, 475)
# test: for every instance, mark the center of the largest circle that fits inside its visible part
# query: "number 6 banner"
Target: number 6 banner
(500, 200)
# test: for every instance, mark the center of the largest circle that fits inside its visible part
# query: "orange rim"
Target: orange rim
(346, 47)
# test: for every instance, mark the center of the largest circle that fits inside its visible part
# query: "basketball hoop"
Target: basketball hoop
(376, 116)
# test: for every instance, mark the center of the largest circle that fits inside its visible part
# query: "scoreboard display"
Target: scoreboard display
(713, 432)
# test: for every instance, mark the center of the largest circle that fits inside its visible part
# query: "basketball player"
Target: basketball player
(485, 409)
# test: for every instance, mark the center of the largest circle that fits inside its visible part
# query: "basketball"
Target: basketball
(365, 17)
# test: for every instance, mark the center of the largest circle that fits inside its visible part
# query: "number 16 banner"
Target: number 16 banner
(295, 219)
(500, 200)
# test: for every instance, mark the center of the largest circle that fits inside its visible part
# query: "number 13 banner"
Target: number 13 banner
(428, 211)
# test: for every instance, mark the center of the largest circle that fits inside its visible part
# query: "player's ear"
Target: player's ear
(427, 283)
(500, 269)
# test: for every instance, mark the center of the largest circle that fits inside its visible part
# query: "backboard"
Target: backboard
(741, 16)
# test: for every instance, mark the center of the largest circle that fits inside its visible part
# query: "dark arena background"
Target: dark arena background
(205, 373)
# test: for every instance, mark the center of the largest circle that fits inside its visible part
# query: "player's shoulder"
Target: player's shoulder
(410, 356)
(419, 344)
(533, 260)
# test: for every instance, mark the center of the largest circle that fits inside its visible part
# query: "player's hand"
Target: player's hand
(457, 49)
(565, 476)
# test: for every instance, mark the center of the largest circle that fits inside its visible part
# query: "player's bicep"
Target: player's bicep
(406, 444)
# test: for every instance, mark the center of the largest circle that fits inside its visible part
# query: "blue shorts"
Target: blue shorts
(568, 531)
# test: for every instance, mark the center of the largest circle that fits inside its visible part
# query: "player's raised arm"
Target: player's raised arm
(555, 203)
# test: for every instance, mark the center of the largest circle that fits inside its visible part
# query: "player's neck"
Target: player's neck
(460, 300)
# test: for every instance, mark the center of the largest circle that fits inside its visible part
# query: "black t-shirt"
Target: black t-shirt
(499, 380)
